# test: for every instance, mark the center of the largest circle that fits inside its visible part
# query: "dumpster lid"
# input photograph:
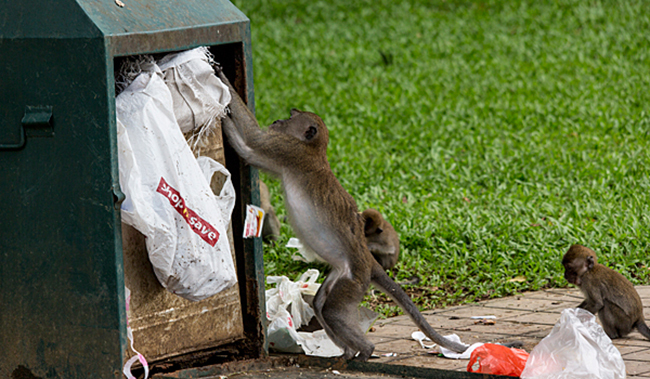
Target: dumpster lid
(94, 18)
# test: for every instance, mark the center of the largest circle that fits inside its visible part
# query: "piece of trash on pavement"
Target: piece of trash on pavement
(485, 322)
(483, 317)
(576, 347)
(497, 360)
(389, 355)
(420, 337)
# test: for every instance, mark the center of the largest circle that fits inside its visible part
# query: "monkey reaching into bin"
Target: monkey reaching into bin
(325, 218)
(607, 293)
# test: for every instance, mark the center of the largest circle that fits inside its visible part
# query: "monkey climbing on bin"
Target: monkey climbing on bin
(325, 218)
(607, 293)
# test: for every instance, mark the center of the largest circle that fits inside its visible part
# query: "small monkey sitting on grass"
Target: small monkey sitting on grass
(381, 237)
(607, 293)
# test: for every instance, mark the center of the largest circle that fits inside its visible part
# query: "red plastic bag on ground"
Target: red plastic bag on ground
(497, 360)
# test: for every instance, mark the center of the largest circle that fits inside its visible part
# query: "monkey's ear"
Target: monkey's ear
(310, 133)
(294, 111)
(590, 262)
(379, 230)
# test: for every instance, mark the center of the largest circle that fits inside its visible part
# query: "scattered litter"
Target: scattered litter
(389, 355)
(119, 3)
(305, 254)
(483, 317)
(497, 360)
(336, 372)
(282, 330)
(485, 322)
(420, 337)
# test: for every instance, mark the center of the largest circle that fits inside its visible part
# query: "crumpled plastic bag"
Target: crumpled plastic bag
(168, 194)
(282, 331)
(198, 95)
(287, 310)
(576, 348)
(497, 359)
(287, 293)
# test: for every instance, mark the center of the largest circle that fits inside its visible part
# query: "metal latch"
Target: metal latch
(37, 122)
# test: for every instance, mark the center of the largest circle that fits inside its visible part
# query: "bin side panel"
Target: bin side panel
(61, 290)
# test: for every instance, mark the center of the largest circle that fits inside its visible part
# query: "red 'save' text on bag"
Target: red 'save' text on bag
(201, 227)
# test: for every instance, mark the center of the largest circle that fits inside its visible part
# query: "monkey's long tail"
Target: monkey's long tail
(395, 292)
(643, 329)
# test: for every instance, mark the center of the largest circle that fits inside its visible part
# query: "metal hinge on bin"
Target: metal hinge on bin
(37, 122)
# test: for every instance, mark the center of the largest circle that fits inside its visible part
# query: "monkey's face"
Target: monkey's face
(571, 275)
(575, 268)
(373, 221)
(305, 126)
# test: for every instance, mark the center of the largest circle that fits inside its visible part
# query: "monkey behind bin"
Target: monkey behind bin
(381, 237)
(271, 225)
(607, 293)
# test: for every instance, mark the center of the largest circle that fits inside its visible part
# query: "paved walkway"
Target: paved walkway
(528, 318)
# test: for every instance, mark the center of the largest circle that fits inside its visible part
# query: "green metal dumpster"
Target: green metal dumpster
(62, 268)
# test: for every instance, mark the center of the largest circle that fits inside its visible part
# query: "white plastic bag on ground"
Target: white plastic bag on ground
(281, 333)
(576, 348)
(287, 293)
(168, 197)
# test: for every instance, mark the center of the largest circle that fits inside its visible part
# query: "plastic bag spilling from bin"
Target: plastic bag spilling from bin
(168, 194)
(287, 310)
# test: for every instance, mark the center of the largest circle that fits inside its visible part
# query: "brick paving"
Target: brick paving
(527, 318)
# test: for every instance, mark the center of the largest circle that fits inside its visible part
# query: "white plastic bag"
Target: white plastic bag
(198, 95)
(576, 348)
(287, 293)
(168, 197)
(281, 333)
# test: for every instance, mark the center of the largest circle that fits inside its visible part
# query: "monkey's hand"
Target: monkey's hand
(239, 112)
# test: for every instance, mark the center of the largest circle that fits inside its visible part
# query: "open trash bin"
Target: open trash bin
(64, 255)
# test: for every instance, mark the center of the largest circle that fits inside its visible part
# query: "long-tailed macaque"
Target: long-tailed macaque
(324, 217)
(271, 225)
(607, 293)
(381, 238)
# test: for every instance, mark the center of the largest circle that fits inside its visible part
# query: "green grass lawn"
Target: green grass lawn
(491, 134)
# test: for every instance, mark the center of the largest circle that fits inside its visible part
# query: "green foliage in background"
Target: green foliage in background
(491, 134)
